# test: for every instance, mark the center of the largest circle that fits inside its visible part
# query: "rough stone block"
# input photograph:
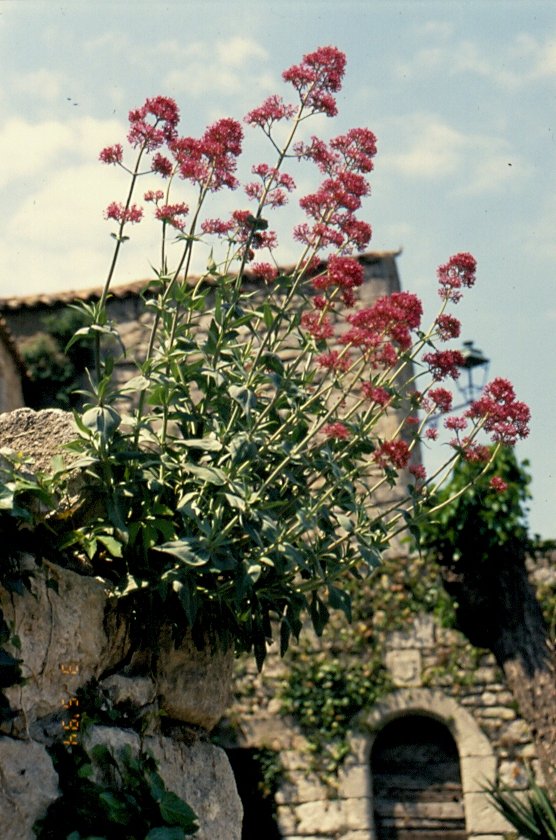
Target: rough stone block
(193, 686)
(28, 784)
(199, 773)
(63, 640)
(481, 817)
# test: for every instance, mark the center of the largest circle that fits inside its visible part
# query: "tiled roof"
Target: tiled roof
(123, 291)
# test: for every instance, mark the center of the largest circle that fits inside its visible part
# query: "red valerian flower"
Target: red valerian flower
(318, 76)
(172, 214)
(431, 433)
(498, 484)
(154, 195)
(334, 361)
(457, 272)
(118, 212)
(218, 227)
(378, 395)
(418, 471)
(357, 148)
(162, 165)
(455, 423)
(317, 324)
(390, 317)
(394, 452)
(505, 417)
(344, 273)
(443, 363)
(441, 398)
(475, 453)
(336, 431)
(272, 109)
(112, 154)
(210, 161)
(264, 271)
(448, 327)
(164, 114)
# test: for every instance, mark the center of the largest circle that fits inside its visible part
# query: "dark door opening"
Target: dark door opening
(256, 789)
(416, 781)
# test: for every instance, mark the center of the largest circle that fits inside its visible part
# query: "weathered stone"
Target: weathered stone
(138, 691)
(199, 773)
(481, 817)
(38, 434)
(61, 627)
(28, 784)
(404, 666)
(193, 686)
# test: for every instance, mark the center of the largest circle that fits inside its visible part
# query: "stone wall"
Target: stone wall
(434, 673)
(69, 634)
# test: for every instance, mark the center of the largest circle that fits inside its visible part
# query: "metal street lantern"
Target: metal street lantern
(473, 360)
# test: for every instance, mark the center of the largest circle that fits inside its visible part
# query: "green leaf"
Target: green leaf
(165, 832)
(207, 444)
(116, 810)
(102, 419)
(211, 474)
(244, 397)
(175, 811)
(188, 550)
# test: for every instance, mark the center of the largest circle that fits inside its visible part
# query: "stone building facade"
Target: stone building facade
(419, 755)
(12, 371)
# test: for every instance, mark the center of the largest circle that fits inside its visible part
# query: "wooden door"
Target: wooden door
(416, 782)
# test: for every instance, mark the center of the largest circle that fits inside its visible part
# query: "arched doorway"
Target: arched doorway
(416, 781)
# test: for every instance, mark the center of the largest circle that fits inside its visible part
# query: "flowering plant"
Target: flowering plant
(246, 477)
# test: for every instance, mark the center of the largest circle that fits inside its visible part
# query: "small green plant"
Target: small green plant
(533, 814)
(113, 796)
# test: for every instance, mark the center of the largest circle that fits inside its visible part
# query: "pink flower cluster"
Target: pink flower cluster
(393, 453)
(505, 417)
(384, 328)
(121, 214)
(378, 395)
(332, 208)
(210, 161)
(272, 110)
(173, 214)
(272, 187)
(458, 272)
(443, 363)
(317, 77)
(344, 273)
(334, 361)
(338, 431)
(154, 123)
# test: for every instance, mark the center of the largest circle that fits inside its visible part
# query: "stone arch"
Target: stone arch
(477, 759)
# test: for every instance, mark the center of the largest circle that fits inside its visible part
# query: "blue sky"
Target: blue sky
(461, 96)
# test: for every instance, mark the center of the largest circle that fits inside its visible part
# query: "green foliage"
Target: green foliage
(113, 796)
(481, 522)
(532, 814)
(55, 369)
(323, 694)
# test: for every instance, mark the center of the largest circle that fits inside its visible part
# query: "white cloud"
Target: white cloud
(430, 149)
(512, 65)
(33, 147)
(43, 84)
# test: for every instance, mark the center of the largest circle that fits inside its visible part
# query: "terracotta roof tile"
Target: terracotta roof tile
(123, 291)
